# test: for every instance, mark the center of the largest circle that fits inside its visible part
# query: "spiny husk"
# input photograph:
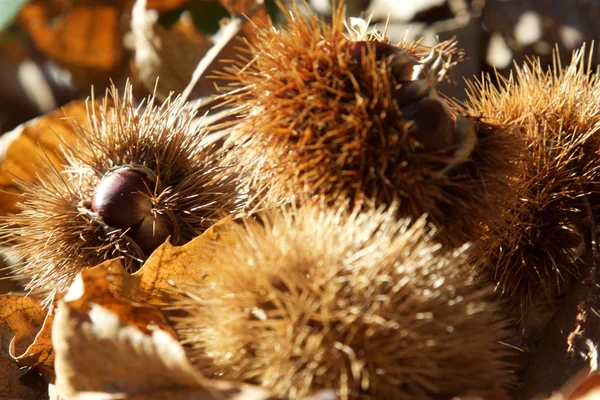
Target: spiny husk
(362, 303)
(315, 120)
(57, 234)
(531, 256)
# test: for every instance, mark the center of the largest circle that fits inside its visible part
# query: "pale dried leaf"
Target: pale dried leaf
(100, 354)
(168, 264)
(248, 16)
(171, 55)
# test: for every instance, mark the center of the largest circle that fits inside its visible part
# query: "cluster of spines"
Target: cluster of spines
(360, 302)
(58, 233)
(321, 115)
(530, 255)
(318, 121)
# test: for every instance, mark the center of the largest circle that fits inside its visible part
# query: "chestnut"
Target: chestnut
(123, 199)
(402, 65)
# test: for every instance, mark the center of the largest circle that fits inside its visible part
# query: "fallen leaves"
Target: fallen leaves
(13, 380)
(94, 23)
(30, 328)
(107, 345)
(106, 334)
(88, 38)
(168, 264)
(33, 146)
(171, 54)
(84, 36)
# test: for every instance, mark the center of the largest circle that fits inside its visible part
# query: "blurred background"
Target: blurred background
(53, 51)
(493, 33)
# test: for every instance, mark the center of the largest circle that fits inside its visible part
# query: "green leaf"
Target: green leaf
(9, 10)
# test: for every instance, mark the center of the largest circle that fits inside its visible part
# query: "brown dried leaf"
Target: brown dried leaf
(92, 286)
(162, 5)
(100, 351)
(171, 54)
(31, 345)
(32, 145)
(151, 284)
(84, 36)
(11, 378)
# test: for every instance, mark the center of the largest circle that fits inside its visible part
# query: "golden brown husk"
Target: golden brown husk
(360, 303)
(317, 121)
(56, 233)
(530, 256)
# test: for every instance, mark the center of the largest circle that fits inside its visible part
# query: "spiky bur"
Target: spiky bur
(361, 303)
(138, 175)
(336, 114)
(531, 256)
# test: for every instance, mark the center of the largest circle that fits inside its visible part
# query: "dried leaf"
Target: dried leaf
(12, 385)
(171, 54)
(31, 326)
(31, 146)
(101, 352)
(226, 47)
(162, 5)
(84, 36)
(152, 283)
(92, 286)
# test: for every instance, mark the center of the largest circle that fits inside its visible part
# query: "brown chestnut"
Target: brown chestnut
(152, 231)
(402, 65)
(432, 126)
(123, 200)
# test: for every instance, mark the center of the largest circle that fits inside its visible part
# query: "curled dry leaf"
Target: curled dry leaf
(100, 349)
(33, 145)
(12, 385)
(92, 286)
(151, 284)
(30, 324)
